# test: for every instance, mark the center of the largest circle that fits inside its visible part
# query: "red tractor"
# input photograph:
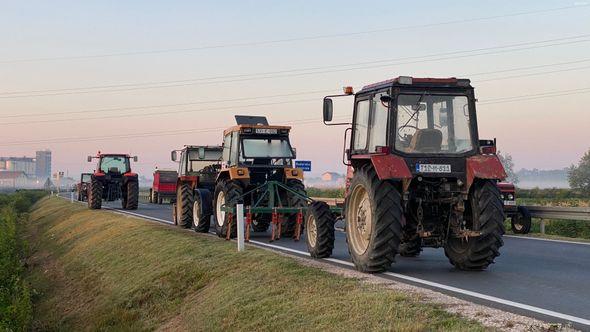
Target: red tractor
(82, 186)
(520, 217)
(112, 180)
(420, 175)
(164, 186)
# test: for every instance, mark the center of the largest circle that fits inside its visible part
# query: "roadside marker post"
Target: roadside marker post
(240, 221)
(71, 196)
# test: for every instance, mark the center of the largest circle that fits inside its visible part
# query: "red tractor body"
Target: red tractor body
(113, 180)
(419, 176)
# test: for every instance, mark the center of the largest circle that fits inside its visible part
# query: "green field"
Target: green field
(96, 270)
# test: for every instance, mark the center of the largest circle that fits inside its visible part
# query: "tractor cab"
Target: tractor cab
(198, 163)
(112, 165)
(257, 152)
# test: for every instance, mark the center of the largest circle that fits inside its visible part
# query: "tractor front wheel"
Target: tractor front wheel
(95, 194)
(201, 221)
(294, 201)
(486, 215)
(319, 230)
(411, 244)
(184, 205)
(521, 221)
(227, 194)
(373, 221)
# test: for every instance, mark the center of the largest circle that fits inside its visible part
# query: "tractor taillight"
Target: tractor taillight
(488, 149)
(247, 130)
(284, 131)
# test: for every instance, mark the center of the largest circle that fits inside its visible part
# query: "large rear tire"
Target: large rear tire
(486, 216)
(184, 205)
(521, 221)
(95, 194)
(373, 221)
(227, 193)
(319, 230)
(131, 196)
(294, 201)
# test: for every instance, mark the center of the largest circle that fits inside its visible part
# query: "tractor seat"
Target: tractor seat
(114, 170)
(426, 140)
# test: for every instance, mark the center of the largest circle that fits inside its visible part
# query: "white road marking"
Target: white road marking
(489, 298)
(548, 240)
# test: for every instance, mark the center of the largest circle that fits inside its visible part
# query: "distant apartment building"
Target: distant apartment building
(43, 164)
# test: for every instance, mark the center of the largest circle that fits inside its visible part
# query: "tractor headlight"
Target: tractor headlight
(510, 197)
(502, 196)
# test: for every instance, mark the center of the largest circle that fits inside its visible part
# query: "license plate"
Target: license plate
(510, 203)
(266, 131)
(433, 168)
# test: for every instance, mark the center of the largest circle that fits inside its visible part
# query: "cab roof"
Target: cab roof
(209, 147)
(428, 82)
(254, 126)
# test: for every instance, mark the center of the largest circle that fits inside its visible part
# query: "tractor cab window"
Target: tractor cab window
(275, 150)
(361, 125)
(433, 124)
(197, 162)
(114, 164)
(226, 147)
(86, 177)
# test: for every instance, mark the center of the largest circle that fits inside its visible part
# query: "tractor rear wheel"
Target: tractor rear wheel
(373, 221)
(201, 221)
(130, 197)
(227, 194)
(294, 201)
(95, 194)
(184, 205)
(319, 230)
(486, 214)
(521, 221)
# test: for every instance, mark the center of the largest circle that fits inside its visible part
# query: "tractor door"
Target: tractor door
(370, 124)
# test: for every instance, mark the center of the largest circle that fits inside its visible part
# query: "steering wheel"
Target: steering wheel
(404, 127)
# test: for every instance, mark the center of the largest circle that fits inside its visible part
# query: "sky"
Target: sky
(147, 77)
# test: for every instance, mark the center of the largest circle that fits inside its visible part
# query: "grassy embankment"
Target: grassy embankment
(99, 270)
(15, 294)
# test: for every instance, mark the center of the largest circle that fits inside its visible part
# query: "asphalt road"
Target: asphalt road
(549, 280)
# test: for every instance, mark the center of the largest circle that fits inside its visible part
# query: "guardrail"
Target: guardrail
(556, 212)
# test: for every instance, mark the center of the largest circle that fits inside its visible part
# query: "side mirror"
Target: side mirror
(173, 155)
(89, 159)
(134, 158)
(328, 109)
(201, 153)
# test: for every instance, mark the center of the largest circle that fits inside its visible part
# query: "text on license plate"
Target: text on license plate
(433, 168)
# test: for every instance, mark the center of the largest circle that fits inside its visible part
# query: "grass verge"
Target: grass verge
(15, 294)
(99, 270)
